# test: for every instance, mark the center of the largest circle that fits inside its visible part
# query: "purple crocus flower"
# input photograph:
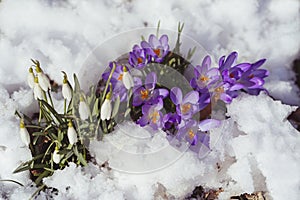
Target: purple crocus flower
(138, 57)
(186, 106)
(193, 131)
(171, 121)
(152, 115)
(228, 62)
(205, 76)
(156, 48)
(148, 93)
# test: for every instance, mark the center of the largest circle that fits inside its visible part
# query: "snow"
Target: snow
(257, 148)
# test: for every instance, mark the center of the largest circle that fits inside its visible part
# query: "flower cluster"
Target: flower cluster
(168, 108)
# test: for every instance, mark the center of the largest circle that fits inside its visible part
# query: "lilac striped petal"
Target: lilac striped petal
(208, 124)
(164, 40)
(150, 80)
(153, 41)
(191, 97)
(176, 95)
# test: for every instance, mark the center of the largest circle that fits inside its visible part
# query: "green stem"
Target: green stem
(65, 106)
(108, 82)
(50, 98)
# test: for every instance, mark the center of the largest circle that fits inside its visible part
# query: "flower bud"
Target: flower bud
(106, 108)
(30, 78)
(84, 110)
(43, 79)
(66, 90)
(56, 157)
(72, 135)
(24, 134)
(127, 79)
(37, 90)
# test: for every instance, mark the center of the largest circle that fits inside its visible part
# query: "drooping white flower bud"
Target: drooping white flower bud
(127, 79)
(24, 134)
(56, 156)
(106, 108)
(72, 135)
(43, 79)
(37, 90)
(66, 89)
(84, 110)
(30, 78)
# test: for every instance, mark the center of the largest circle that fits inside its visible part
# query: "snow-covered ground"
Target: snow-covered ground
(257, 148)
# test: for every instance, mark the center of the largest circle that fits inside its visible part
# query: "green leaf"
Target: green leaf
(116, 107)
(13, 181)
(79, 156)
(41, 176)
(77, 84)
(96, 108)
(52, 110)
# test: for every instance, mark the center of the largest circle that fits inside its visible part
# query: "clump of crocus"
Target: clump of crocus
(72, 135)
(156, 48)
(25, 137)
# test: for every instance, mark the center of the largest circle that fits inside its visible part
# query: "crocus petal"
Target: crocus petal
(163, 92)
(208, 124)
(150, 81)
(153, 41)
(143, 121)
(244, 66)
(230, 60)
(258, 63)
(191, 97)
(206, 62)
(164, 40)
(236, 86)
(176, 95)
(226, 98)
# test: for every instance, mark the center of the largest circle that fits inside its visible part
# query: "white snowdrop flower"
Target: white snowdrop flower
(106, 108)
(84, 110)
(30, 78)
(37, 90)
(43, 79)
(127, 79)
(56, 157)
(24, 134)
(72, 135)
(66, 89)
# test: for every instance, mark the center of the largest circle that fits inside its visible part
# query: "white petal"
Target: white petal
(30, 80)
(25, 136)
(84, 110)
(44, 81)
(66, 91)
(37, 91)
(127, 80)
(72, 135)
(56, 157)
(106, 110)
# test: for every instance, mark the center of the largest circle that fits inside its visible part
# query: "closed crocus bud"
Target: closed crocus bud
(43, 79)
(37, 90)
(72, 135)
(66, 89)
(106, 108)
(30, 78)
(56, 157)
(127, 79)
(84, 110)
(24, 134)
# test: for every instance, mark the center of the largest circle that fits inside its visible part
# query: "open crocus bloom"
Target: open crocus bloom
(156, 48)
(186, 106)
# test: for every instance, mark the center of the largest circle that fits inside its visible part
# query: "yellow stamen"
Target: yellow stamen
(139, 60)
(185, 108)
(144, 94)
(204, 78)
(120, 78)
(154, 117)
(191, 134)
(157, 52)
